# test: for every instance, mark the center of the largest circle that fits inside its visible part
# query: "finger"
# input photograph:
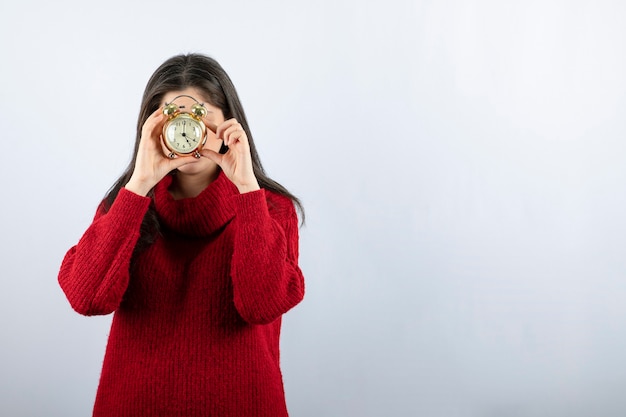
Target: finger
(155, 117)
(213, 156)
(166, 151)
(224, 126)
(157, 112)
(179, 161)
(152, 122)
(233, 134)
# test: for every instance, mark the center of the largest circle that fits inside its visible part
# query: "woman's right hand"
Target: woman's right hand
(152, 164)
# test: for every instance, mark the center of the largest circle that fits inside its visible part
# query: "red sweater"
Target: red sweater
(198, 314)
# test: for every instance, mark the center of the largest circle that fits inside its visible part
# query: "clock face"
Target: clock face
(184, 134)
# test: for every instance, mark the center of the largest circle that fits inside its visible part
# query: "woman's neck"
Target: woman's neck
(191, 185)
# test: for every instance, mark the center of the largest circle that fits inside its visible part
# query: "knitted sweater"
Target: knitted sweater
(197, 314)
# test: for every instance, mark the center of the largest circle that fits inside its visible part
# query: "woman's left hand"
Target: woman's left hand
(236, 162)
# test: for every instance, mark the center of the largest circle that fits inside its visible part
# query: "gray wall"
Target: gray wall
(462, 166)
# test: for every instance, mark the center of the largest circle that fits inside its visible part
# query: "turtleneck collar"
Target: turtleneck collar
(203, 215)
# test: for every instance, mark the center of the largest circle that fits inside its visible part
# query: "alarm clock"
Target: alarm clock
(184, 132)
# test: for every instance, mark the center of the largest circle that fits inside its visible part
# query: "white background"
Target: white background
(462, 167)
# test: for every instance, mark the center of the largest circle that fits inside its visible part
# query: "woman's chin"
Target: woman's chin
(197, 166)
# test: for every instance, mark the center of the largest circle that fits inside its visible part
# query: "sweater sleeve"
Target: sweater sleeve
(267, 281)
(94, 274)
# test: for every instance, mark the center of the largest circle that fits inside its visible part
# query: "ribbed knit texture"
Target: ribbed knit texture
(198, 314)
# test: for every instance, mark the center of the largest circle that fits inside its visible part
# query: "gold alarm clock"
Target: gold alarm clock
(184, 132)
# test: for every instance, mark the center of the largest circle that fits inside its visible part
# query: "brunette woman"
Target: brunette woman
(197, 257)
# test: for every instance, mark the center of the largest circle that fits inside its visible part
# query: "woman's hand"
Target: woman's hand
(152, 164)
(236, 162)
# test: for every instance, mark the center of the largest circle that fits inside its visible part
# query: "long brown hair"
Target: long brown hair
(207, 75)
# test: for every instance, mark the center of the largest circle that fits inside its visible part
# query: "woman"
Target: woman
(197, 257)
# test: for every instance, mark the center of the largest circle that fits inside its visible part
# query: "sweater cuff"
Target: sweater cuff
(249, 205)
(129, 209)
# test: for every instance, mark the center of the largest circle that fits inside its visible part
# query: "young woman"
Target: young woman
(197, 257)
